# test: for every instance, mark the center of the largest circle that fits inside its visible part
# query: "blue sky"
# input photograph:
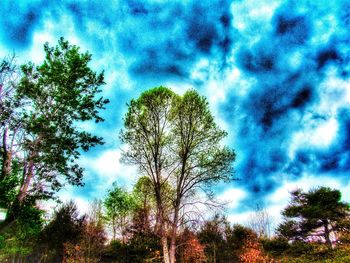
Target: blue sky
(276, 75)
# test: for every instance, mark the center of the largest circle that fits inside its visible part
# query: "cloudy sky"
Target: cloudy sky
(276, 74)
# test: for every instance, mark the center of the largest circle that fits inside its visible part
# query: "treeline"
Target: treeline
(123, 227)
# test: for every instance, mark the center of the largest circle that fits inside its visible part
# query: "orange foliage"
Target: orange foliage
(72, 253)
(253, 253)
(193, 251)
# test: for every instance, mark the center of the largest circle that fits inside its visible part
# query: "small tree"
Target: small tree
(261, 222)
(314, 214)
(190, 249)
(119, 204)
(94, 235)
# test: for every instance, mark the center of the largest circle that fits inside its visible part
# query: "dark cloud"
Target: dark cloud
(285, 93)
(168, 39)
(156, 39)
(327, 56)
(293, 30)
(18, 22)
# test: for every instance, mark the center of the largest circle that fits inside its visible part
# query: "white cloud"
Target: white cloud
(239, 218)
(108, 167)
(232, 196)
(324, 134)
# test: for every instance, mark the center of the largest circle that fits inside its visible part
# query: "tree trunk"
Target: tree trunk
(173, 235)
(27, 180)
(327, 233)
(6, 157)
(165, 249)
(114, 228)
(163, 234)
(161, 224)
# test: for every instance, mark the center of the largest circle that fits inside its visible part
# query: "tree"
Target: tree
(10, 132)
(144, 205)
(119, 204)
(147, 124)
(190, 249)
(94, 235)
(174, 140)
(260, 221)
(314, 214)
(212, 235)
(223, 242)
(52, 100)
(59, 93)
(66, 227)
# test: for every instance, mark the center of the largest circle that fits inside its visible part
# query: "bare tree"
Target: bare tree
(261, 222)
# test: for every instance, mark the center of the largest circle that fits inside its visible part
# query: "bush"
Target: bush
(276, 246)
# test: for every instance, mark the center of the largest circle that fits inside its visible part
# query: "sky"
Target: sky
(275, 73)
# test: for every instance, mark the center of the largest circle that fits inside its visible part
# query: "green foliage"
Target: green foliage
(143, 192)
(60, 93)
(301, 252)
(9, 185)
(275, 246)
(19, 239)
(320, 209)
(197, 142)
(119, 204)
(41, 108)
(142, 247)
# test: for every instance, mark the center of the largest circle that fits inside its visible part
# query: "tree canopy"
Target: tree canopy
(317, 213)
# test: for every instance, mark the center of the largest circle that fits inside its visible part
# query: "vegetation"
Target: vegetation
(178, 148)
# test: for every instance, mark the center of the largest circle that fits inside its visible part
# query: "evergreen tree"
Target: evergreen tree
(314, 214)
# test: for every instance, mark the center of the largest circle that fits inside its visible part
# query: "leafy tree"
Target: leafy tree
(41, 110)
(202, 160)
(212, 236)
(174, 140)
(94, 235)
(190, 249)
(58, 94)
(119, 204)
(144, 205)
(146, 132)
(316, 213)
